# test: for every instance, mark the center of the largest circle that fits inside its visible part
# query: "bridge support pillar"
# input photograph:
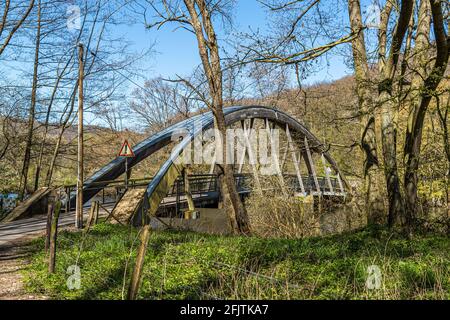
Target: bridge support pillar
(327, 174)
(291, 148)
(187, 191)
(311, 167)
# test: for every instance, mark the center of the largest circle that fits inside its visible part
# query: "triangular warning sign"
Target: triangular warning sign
(126, 150)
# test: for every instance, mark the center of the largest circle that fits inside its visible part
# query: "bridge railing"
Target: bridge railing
(206, 185)
(107, 192)
(309, 184)
(198, 184)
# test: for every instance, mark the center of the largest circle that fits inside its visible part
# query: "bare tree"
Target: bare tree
(41, 88)
(364, 92)
(386, 103)
(158, 103)
(201, 21)
(197, 16)
(32, 110)
(419, 108)
(11, 21)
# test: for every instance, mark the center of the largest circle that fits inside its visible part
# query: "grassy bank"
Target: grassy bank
(186, 265)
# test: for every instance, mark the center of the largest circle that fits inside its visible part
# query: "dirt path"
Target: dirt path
(15, 252)
(13, 259)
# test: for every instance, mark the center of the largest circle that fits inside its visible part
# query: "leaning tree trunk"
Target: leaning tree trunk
(32, 111)
(51, 168)
(209, 54)
(237, 214)
(46, 125)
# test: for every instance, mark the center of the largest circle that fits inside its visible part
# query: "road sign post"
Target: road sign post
(126, 152)
(126, 173)
(80, 153)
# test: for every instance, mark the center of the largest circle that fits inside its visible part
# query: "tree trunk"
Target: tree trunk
(443, 119)
(31, 116)
(48, 179)
(363, 84)
(389, 113)
(237, 214)
(17, 25)
(389, 142)
(209, 54)
(53, 237)
(46, 123)
(413, 140)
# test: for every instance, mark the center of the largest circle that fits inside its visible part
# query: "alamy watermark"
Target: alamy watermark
(373, 16)
(73, 13)
(374, 277)
(74, 280)
(256, 147)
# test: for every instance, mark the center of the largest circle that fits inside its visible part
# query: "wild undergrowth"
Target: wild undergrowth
(372, 263)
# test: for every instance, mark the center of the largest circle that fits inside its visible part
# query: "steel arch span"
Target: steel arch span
(193, 127)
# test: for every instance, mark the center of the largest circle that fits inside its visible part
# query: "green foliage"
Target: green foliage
(195, 266)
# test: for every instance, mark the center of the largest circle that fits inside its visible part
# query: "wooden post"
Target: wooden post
(48, 226)
(67, 190)
(325, 167)
(97, 209)
(53, 237)
(294, 158)
(251, 156)
(137, 272)
(91, 217)
(275, 158)
(311, 166)
(187, 191)
(126, 174)
(177, 197)
(80, 178)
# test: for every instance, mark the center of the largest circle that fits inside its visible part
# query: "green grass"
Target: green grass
(195, 266)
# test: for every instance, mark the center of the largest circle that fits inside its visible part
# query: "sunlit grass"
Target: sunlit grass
(188, 265)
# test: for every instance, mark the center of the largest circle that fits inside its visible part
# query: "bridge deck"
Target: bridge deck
(205, 192)
(34, 226)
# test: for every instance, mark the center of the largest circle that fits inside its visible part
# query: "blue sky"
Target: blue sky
(176, 50)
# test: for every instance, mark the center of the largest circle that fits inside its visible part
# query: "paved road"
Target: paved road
(14, 231)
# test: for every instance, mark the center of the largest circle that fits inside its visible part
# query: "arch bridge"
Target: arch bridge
(312, 170)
